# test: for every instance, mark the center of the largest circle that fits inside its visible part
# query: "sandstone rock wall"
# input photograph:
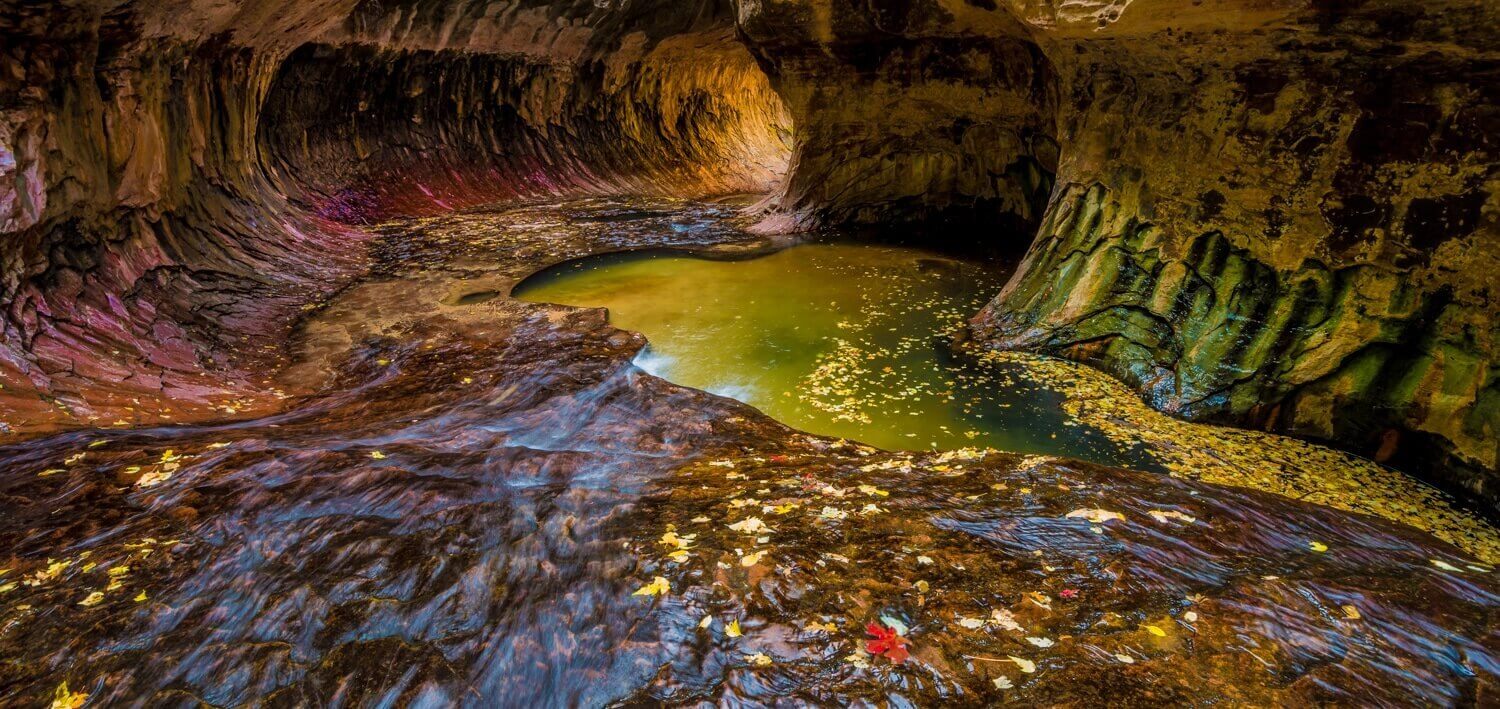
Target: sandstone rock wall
(1286, 222)
(1278, 215)
(160, 242)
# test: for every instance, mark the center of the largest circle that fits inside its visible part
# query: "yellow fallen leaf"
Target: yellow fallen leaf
(749, 560)
(1096, 516)
(118, 570)
(658, 586)
(377, 455)
(1158, 632)
(64, 699)
(140, 597)
(672, 539)
(733, 629)
(1319, 547)
(759, 659)
(1351, 612)
(93, 599)
(750, 525)
(1026, 666)
(1122, 657)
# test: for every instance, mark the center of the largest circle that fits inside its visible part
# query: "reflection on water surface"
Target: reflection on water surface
(838, 339)
(489, 506)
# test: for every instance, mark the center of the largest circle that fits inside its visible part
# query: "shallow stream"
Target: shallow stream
(484, 503)
(838, 339)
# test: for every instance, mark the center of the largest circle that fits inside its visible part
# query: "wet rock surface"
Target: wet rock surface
(489, 505)
(1277, 215)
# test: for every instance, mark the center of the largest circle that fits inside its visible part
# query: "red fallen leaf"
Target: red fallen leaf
(886, 642)
(778, 458)
(1068, 593)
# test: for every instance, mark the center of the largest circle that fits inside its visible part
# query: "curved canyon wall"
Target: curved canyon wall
(179, 182)
(1275, 214)
(1283, 220)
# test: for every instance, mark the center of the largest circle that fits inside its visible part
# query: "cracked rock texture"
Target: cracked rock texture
(1276, 214)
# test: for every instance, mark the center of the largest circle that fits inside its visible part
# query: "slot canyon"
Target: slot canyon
(749, 352)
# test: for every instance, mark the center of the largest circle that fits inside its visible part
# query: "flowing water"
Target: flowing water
(839, 339)
(486, 504)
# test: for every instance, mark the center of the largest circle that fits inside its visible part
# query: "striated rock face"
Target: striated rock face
(1274, 214)
(177, 181)
(1278, 215)
(1284, 220)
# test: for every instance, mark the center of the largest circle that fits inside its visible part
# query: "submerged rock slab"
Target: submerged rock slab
(477, 511)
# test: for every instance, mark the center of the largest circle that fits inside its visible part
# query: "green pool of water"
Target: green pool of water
(838, 339)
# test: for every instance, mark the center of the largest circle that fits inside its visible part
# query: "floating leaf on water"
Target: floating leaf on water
(833, 513)
(749, 560)
(1041, 642)
(1026, 665)
(707, 621)
(1097, 516)
(1351, 612)
(64, 699)
(859, 659)
(1163, 516)
(1122, 657)
(873, 491)
(1319, 547)
(92, 600)
(971, 623)
(50, 471)
(887, 642)
(377, 455)
(1003, 682)
(1005, 619)
(750, 525)
(759, 659)
(140, 597)
(733, 629)
(672, 539)
(1190, 616)
(658, 586)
